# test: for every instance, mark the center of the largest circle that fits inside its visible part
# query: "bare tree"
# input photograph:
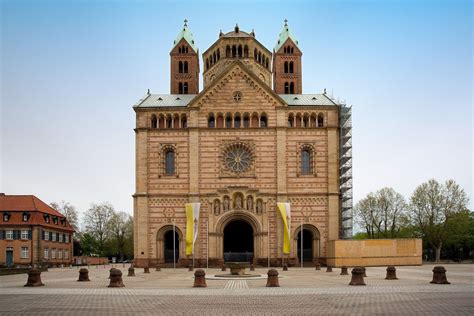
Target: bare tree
(382, 214)
(120, 225)
(97, 221)
(69, 211)
(432, 205)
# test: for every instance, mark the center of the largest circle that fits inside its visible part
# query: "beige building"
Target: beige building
(248, 140)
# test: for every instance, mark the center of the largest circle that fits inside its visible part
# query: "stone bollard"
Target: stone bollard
(83, 275)
(272, 280)
(318, 266)
(391, 273)
(357, 276)
(329, 269)
(190, 268)
(158, 268)
(131, 271)
(146, 270)
(285, 267)
(115, 278)
(34, 278)
(252, 267)
(364, 275)
(344, 270)
(439, 275)
(200, 278)
(223, 268)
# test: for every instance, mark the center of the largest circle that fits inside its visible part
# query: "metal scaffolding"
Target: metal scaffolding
(345, 170)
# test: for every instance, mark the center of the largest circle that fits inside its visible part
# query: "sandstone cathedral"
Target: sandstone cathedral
(248, 140)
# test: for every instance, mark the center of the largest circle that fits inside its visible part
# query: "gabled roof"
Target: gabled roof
(17, 204)
(306, 99)
(165, 100)
(284, 35)
(187, 36)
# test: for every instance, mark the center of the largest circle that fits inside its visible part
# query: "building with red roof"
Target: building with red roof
(32, 232)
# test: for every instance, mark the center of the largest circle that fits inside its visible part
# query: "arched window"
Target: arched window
(292, 87)
(287, 88)
(313, 120)
(263, 121)
(240, 51)
(179, 50)
(234, 51)
(306, 121)
(170, 157)
(267, 63)
(292, 50)
(154, 121)
(176, 121)
(306, 161)
(184, 121)
(161, 122)
(218, 54)
(169, 121)
(180, 66)
(180, 87)
(246, 121)
(228, 120)
(259, 58)
(237, 121)
(227, 51)
(211, 122)
(290, 120)
(284, 50)
(320, 120)
(291, 67)
(254, 121)
(207, 63)
(255, 54)
(246, 51)
(184, 88)
(286, 67)
(220, 121)
(185, 67)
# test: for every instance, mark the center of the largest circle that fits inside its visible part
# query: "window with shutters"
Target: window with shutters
(9, 235)
(60, 238)
(60, 254)
(24, 234)
(53, 253)
(46, 235)
(24, 253)
(54, 237)
(46, 253)
(6, 217)
(66, 254)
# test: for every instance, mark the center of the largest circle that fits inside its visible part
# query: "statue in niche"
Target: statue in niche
(259, 206)
(249, 203)
(226, 203)
(238, 202)
(217, 207)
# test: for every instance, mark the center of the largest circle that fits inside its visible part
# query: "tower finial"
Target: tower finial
(237, 28)
(185, 22)
(286, 22)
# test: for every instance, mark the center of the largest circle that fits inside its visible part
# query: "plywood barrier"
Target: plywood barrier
(374, 252)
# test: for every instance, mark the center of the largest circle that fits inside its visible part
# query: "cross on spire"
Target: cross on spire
(286, 22)
(185, 22)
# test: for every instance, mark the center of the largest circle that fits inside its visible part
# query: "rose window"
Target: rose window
(237, 158)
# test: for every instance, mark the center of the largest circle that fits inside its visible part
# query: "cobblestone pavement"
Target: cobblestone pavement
(302, 292)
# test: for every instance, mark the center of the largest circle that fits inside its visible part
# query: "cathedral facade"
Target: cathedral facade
(247, 141)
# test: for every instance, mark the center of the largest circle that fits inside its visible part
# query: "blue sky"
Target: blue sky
(71, 71)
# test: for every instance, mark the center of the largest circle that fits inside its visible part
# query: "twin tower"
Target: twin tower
(283, 65)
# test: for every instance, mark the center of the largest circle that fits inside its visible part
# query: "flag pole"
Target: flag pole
(174, 246)
(268, 241)
(301, 232)
(207, 247)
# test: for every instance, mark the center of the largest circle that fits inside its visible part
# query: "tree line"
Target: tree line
(102, 231)
(436, 212)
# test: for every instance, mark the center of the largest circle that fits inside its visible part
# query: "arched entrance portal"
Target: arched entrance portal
(238, 242)
(169, 249)
(305, 239)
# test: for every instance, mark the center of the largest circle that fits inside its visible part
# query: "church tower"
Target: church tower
(287, 78)
(184, 63)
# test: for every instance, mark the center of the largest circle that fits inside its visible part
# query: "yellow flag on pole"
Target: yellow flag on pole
(192, 225)
(285, 212)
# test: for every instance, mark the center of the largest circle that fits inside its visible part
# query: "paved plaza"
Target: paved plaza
(301, 292)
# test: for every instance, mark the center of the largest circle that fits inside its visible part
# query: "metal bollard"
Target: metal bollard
(200, 278)
(357, 276)
(34, 278)
(272, 279)
(115, 278)
(391, 273)
(439, 275)
(83, 275)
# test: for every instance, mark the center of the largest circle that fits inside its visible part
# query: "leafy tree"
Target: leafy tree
(97, 221)
(69, 211)
(119, 227)
(382, 214)
(433, 206)
(89, 245)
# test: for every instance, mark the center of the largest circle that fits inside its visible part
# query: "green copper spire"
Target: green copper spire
(284, 35)
(187, 35)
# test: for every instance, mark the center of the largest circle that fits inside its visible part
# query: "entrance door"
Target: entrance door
(9, 257)
(307, 245)
(238, 242)
(168, 239)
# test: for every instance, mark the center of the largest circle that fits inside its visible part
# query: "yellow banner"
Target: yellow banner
(285, 212)
(192, 221)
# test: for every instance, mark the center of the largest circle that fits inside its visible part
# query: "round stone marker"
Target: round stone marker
(146, 270)
(115, 278)
(200, 278)
(357, 276)
(272, 279)
(344, 270)
(83, 275)
(131, 272)
(391, 273)
(329, 269)
(34, 278)
(439, 275)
